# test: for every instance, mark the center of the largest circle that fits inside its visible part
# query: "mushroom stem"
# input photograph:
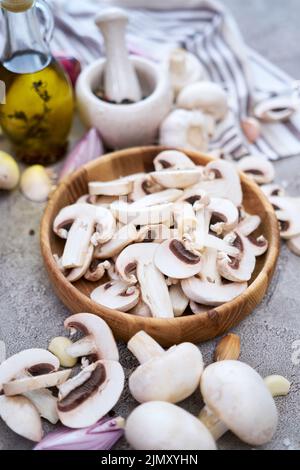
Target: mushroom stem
(83, 347)
(143, 347)
(77, 243)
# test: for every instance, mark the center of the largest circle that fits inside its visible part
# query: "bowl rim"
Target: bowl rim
(156, 323)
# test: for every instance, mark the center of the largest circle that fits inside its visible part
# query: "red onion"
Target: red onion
(71, 66)
(101, 436)
(85, 150)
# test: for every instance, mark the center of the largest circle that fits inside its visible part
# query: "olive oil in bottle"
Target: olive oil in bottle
(38, 109)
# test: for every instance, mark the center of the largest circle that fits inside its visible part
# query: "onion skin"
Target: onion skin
(71, 66)
(100, 436)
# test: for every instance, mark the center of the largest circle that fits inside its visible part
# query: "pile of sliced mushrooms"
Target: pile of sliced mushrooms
(49, 384)
(173, 237)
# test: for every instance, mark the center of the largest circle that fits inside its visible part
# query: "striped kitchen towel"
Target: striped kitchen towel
(207, 29)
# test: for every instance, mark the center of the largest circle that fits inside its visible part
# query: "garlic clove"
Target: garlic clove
(9, 171)
(36, 183)
(278, 385)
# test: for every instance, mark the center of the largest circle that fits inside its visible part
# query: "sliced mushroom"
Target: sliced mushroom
(22, 417)
(27, 384)
(129, 214)
(273, 190)
(96, 270)
(166, 427)
(119, 187)
(287, 212)
(237, 398)
(209, 293)
(154, 290)
(185, 219)
(122, 238)
(259, 244)
(198, 309)
(260, 169)
(278, 108)
(170, 375)
(30, 361)
(87, 199)
(224, 215)
(172, 159)
(186, 129)
(207, 97)
(179, 300)
(184, 68)
(161, 197)
(87, 397)
(177, 178)
(241, 267)
(116, 295)
(45, 403)
(142, 186)
(141, 310)
(222, 180)
(175, 260)
(248, 224)
(211, 241)
(98, 341)
(154, 233)
(83, 219)
(77, 273)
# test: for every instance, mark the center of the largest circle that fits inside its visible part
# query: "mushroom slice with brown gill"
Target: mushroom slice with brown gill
(222, 180)
(142, 186)
(122, 238)
(161, 197)
(154, 290)
(179, 299)
(30, 361)
(237, 399)
(258, 168)
(117, 295)
(185, 219)
(87, 199)
(276, 109)
(166, 427)
(174, 259)
(22, 417)
(272, 190)
(172, 159)
(128, 213)
(248, 224)
(96, 270)
(258, 244)
(177, 179)
(27, 384)
(83, 219)
(205, 96)
(98, 341)
(170, 375)
(77, 273)
(87, 397)
(224, 215)
(238, 268)
(287, 212)
(119, 187)
(141, 310)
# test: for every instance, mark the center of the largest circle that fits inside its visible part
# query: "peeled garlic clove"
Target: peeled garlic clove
(278, 385)
(9, 171)
(251, 128)
(36, 183)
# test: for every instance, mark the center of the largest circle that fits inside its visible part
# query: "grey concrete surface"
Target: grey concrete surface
(30, 313)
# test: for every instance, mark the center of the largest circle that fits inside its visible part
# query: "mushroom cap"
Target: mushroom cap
(90, 399)
(175, 178)
(171, 377)
(173, 259)
(166, 427)
(208, 97)
(238, 396)
(287, 212)
(22, 417)
(258, 168)
(97, 329)
(210, 293)
(172, 159)
(116, 295)
(32, 360)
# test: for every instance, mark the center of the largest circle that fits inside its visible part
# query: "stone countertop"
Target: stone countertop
(31, 314)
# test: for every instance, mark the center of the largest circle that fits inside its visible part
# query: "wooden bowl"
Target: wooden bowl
(194, 328)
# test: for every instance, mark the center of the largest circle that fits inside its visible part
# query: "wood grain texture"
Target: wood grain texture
(194, 328)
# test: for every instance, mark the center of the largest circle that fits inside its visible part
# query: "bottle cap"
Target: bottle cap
(16, 5)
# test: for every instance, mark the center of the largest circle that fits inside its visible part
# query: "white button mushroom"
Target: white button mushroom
(83, 219)
(172, 159)
(170, 375)
(117, 295)
(154, 290)
(98, 340)
(177, 178)
(96, 270)
(287, 213)
(22, 417)
(238, 268)
(276, 109)
(166, 427)
(176, 260)
(87, 397)
(119, 187)
(258, 168)
(122, 238)
(207, 97)
(237, 398)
